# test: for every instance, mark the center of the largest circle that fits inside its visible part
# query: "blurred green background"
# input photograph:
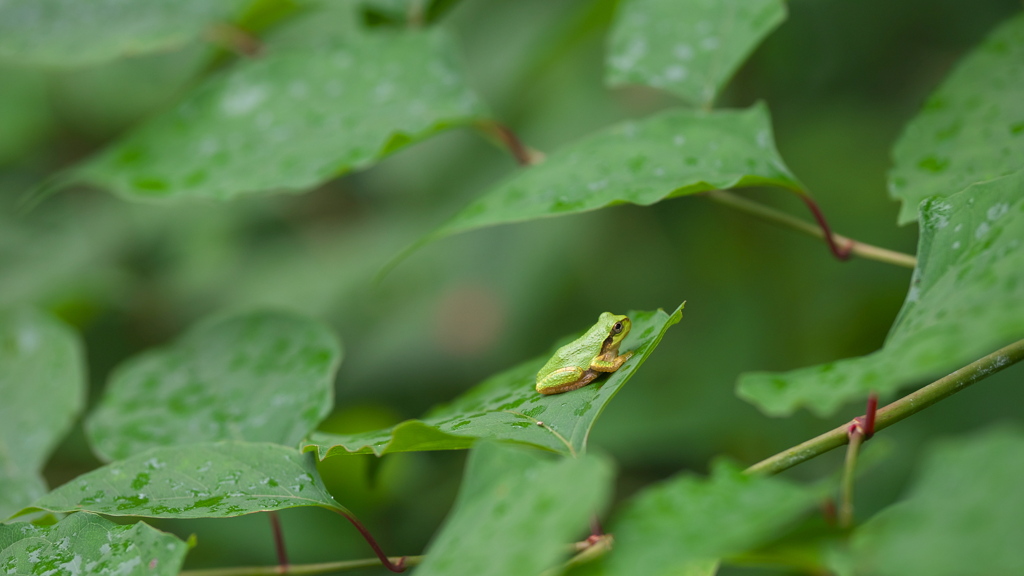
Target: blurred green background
(841, 79)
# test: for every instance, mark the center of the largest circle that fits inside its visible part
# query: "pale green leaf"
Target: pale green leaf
(972, 127)
(517, 511)
(211, 480)
(966, 300)
(683, 524)
(259, 376)
(88, 544)
(508, 407)
(688, 47)
(73, 33)
(962, 516)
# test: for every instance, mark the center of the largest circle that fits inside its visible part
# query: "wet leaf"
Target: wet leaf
(688, 47)
(972, 127)
(211, 480)
(516, 511)
(292, 119)
(686, 522)
(508, 407)
(966, 300)
(88, 544)
(962, 516)
(70, 33)
(260, 376)
(42, 387)
(675, 153)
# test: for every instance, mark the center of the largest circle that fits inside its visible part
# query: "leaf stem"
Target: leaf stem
(856, 437)
(898, 410)
(300, 569)
(850, 246)
(524, 155)
(398, 566)
(282, 552)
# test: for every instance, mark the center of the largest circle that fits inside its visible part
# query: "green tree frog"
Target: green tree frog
(577, 363)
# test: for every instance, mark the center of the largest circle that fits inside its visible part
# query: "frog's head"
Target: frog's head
(616, 326)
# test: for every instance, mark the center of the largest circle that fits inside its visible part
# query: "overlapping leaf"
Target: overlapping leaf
(291, 119)
(72, 33)
(259, 376)
(966, 300)
(507, 407)
(42, 389)
(516, 511)
(962, 515)
(211, 480)
(88, 544)
(971, 128)
(685, 523)
(688, 47)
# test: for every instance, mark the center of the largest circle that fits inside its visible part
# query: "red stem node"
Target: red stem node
(842, 253)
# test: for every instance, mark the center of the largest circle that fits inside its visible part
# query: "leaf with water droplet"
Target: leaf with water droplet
(209, 480)
(966, 300)
(688, 47)
(84, 543)
(972, 127)
(71, 33)
(508, 407)
(258, 376)
(516, 511)
(42, 387)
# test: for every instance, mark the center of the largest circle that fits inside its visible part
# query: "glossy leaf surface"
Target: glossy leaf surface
(88, 544)
(674, 153)
(971, 128)
(212, 480)
(42, 389)
(962, 515)
(291, 120)
(516, 511)
(688, 47)
(683, 524)
(507, 407)
(966, 300)
(260, 376)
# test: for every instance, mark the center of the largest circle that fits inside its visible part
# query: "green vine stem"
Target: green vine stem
(898, 410)
(854, 247)
(849, 471)
(299, 569)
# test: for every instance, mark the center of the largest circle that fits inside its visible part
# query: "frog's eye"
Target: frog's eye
(617, 328)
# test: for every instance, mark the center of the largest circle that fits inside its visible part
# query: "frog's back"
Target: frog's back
(579, 352)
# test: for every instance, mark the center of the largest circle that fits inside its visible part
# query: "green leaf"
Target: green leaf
(291, 120)
(966, 300)
(88, 544)
(211, 480)
(674, 153)
(71, 33)
(508, 407)
(688, 47)
(42, 387)
(686, 522)
(972, 127)
(516, 512)
(260, 376)
(962, 516)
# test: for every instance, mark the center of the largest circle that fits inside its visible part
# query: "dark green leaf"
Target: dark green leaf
(966, 300)
(71, 33)
(688, 47)
(962, 516)
(291, 120)
(88, 544)
(261, 376)
(212, 480)
(507, 407)
(42, 387)
(517, 511)
(972, 127)
(687, 522)
(675, 153)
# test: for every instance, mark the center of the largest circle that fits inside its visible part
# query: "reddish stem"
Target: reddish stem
(394, 567)
(282, 552)
(840, 253)
(510, 141)
(865, 425)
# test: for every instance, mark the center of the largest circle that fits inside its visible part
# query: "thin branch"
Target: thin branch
(898, 410)
(856, 437)
(299, 569)
(851, 246)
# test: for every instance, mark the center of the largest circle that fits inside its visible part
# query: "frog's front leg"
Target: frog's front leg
(609, 362)
(565, 379)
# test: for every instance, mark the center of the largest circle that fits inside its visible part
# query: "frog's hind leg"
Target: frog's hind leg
(565, 379)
